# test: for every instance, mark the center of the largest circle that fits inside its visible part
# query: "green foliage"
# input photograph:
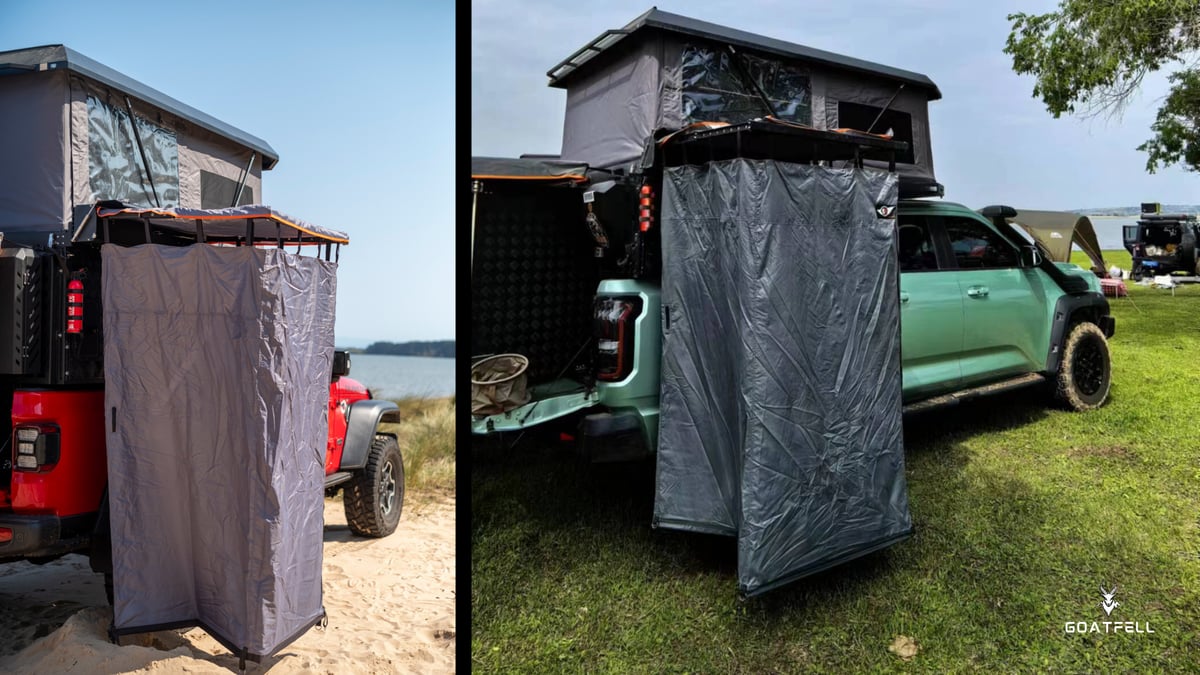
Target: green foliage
(1095, 54)
(439, 348)
(1021, 512)
(1177, 125)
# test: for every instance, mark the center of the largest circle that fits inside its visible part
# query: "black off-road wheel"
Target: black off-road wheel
(1085, 372)
(375, 496)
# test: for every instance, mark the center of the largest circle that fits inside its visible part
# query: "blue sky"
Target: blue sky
(357, 99)
(992, 142)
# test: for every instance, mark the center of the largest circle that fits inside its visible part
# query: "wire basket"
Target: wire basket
(498, 384)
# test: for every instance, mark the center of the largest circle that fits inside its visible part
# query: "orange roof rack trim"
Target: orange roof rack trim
(847, 130)
(693, 125)
(562, 176)
(269, 216)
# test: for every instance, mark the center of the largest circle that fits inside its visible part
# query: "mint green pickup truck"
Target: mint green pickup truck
(981, 312)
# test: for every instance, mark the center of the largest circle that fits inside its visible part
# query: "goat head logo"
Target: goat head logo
(1109, 604)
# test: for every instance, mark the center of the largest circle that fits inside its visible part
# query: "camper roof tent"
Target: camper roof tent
(68, 141)
(664, 71)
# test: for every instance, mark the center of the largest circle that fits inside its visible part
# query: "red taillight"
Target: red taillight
(75, 306)
(645, 206)
(35, 446)
(615, 332)
(6, 535)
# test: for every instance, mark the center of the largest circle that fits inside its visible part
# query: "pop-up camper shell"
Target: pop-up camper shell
(65, 128)
(666, 71)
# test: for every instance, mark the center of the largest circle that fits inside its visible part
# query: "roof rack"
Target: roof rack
(771, 139)
(590, 49)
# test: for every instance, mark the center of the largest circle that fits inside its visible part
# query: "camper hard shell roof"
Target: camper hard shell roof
(66, 120)
(663, 71)
(593, 53)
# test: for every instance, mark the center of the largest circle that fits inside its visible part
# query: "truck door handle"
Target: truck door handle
(977, 291)
(903, 296)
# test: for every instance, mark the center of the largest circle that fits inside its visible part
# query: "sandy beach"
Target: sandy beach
(390, 604)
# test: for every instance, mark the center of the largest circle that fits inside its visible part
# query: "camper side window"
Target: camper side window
(977, 247)
(116, 150)
(715, 89)
(879, 121)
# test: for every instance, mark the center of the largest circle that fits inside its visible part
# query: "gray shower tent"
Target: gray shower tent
(65, 126)
(217, 363)
(780, 406)
(666, 71)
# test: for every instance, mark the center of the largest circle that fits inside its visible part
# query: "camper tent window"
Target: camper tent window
(714, 89)
(861, 117)
(217, 192)
(115, 168)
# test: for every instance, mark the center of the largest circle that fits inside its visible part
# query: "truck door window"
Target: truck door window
(977, 247)
(915, 245)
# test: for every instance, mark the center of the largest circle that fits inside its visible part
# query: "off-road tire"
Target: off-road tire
(374, 497)
(1085, 371)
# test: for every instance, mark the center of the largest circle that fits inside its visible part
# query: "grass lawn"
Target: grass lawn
(1021, 512)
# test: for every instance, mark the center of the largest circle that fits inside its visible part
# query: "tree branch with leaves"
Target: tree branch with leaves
(1090, 57)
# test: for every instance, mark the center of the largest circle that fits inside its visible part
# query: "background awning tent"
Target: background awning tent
(1055, 231)
(68, 140)
(666, 71)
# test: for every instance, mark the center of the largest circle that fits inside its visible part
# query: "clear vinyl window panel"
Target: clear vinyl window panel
(715, 87)
(115, 168)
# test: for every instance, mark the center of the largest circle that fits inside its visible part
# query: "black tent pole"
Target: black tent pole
(142, 151)
(753, 83)
(885, 107)
(237, 197)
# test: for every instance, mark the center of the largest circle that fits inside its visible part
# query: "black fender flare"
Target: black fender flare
(361, 421)
(1093, 305)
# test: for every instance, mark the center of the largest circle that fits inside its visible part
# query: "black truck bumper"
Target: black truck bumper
(34, 536)
(613, 436)
(30, 535)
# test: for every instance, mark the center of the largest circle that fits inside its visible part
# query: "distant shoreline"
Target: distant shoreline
(431, 348)
(358, 351)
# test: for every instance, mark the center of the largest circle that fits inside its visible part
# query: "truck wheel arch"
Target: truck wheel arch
(361, 422)
(1069, 310)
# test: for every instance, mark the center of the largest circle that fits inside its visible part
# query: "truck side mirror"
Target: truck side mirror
(1030, 256)
(341, 364)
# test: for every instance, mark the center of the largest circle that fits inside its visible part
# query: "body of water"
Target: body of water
(1109, 231)
(402, 376)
